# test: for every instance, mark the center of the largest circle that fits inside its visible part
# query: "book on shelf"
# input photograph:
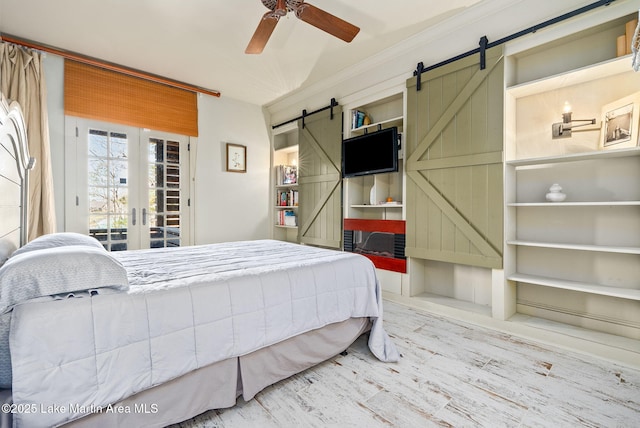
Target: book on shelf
(357, 118)
(287, 218)
(287, 198)
(286, 174)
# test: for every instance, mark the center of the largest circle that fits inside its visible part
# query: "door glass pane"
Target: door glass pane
(164, 193)
(153, 201)
(156, 150)
(118, 172)
(98, 171)
(119, 198)
(108, 188)
(119, 146)
(98, 228)
(156, 175)
(98, 200)
(98, 143)
(173, 152)
(173, 200)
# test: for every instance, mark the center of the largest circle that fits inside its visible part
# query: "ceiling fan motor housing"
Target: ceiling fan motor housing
(292, 5)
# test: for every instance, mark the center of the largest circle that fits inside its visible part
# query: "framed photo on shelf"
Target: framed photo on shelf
(620, 123)
(236, 158)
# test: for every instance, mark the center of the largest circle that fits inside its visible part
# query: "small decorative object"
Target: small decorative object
(620, 123)
(367, 120)
(555, 193)
(373, 200)
(236, 158)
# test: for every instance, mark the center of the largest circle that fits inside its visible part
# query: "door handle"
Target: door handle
(144, 216)
(133, 217)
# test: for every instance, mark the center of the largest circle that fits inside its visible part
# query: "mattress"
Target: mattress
(186, 308)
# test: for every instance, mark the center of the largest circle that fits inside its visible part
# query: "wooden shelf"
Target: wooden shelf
(623, 293)
(281, 226)
(395, 121)
(585, 74)
(575, 157)
(286, 207)
(576, 204)
(376, 206)
(587, 335)
(453, 303)
(579, 247)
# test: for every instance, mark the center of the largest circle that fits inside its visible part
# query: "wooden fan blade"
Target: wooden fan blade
(327, 22)
(260, 38)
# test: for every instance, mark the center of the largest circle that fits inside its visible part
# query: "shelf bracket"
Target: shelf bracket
(483, 52)
(418, 72)
(304, 114)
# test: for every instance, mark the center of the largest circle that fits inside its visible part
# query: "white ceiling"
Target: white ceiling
(202, 42)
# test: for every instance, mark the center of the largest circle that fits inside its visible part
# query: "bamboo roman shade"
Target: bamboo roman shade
(95, 93)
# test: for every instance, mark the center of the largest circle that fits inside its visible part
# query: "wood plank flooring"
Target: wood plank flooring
(451, 374)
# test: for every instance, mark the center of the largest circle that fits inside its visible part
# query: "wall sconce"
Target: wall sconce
(563, 129)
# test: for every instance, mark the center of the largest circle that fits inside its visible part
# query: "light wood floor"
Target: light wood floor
(451, 374)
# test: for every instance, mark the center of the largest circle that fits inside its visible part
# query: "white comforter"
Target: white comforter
(186, 308)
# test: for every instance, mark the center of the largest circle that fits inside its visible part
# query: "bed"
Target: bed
(154, 337)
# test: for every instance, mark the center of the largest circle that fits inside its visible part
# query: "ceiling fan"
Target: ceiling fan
(304, 11)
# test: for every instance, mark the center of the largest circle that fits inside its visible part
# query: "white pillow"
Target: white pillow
(62, 239)
(53, 271)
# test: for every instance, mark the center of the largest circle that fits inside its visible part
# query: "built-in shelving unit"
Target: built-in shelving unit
(285, 153)
(290, 206)
(572, 267)
(366, 197)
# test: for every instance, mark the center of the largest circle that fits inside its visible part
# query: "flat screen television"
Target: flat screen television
(371, 153)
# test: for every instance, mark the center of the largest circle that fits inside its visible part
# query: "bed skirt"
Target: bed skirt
(218, 385)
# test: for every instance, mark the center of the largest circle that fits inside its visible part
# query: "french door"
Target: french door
(127, 187)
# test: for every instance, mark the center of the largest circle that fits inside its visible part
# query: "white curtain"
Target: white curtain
(22, 80)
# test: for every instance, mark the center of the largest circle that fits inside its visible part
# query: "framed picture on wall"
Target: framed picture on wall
(236, 158)
(620, 123)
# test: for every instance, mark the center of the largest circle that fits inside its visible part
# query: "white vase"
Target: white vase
(555, 193)
(372, 194)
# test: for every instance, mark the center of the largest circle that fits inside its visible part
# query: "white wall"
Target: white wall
(231, 206)
(226, 206)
